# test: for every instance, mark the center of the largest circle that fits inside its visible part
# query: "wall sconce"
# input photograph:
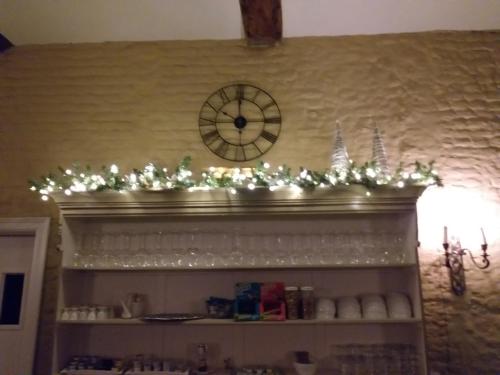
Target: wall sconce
(455, 263)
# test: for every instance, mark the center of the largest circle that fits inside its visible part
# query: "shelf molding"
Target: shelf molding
(342, 199)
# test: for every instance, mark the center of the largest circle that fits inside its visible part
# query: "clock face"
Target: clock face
(239, 122)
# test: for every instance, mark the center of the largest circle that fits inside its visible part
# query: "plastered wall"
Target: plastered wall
(433, 95)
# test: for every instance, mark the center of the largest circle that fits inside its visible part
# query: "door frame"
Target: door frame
(38, 227)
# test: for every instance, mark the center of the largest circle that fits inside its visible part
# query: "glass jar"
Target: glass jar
(102, 313)
(292, 299)
(65, 314)
(307, 296)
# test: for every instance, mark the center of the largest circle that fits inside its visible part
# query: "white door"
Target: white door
(22, 260)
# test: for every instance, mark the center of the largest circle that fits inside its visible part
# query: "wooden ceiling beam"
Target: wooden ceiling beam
(262, 21)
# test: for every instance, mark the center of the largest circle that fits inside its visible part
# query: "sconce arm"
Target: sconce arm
(484, 257)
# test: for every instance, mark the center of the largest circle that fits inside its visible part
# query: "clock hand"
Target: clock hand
(239, 107)
(232, 121)
(239, 131)
(227, 114)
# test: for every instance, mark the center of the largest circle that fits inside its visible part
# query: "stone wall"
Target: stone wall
(434, 96)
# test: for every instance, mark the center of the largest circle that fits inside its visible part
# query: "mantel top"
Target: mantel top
(342, 199)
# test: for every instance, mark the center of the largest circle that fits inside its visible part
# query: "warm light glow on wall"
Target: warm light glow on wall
(464, 211)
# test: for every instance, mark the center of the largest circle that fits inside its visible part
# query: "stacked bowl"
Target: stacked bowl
(373, 306)
(348, 308)
(398, 306)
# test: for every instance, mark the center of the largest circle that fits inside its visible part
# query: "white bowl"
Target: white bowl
(305, 368)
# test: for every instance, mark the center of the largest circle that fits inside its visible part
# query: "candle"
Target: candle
(484, 237)
(445, 237)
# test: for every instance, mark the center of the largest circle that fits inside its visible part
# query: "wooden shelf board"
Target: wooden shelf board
(248, 268)
(232, 322)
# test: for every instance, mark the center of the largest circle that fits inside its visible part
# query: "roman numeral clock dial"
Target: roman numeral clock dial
(239, 122)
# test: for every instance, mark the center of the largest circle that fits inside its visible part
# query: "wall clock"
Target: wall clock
(239, 122)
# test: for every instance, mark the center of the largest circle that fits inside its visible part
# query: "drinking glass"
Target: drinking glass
(281, 250)
(153, 249)
(343, 255)
(168, 243)
(105, 250)
(123, 249)
(90, 247)
(236, 254)
(137, 244)
(193, 248)
(208, 241)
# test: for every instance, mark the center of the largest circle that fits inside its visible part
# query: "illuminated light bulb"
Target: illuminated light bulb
(296, 188)
(156, 184)
(134, 187)
(405, 175)
(67, 192)
(150, 168)
(45, 198)
(190, 189)
(368, 193)
(232, 190)
(416, 176)
(164, 170)
(303, 174)
(357, 176)
(266, 165)
(93, 186)
(82, 175)
(400, 184)
(189, 173)
(204, 175)
(50, 189)
(380, 182)
(272, 188)
(113, 169)
(251, 186)
(211, 169)
(44, 191)
(254, 179)
(434, 172)
(32, 188)
(321, 185)
(68, 172)
(370, 172)
(350, 161)
(280, 182)
(308, 178)
(52, 183)
(389, 178)
(280, 168)
(133, 177)
(169, 185)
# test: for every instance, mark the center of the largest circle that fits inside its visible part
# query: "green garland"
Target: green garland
(153, 177)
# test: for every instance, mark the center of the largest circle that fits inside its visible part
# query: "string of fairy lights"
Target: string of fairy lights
(152, 177)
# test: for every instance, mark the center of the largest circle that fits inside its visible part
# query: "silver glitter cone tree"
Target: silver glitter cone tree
(340, 158)
(379, 155)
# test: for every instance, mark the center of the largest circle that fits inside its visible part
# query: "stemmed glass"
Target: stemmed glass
(193, 248)
(153, 249)
(90, 246)
(138, 246)
(123, 249)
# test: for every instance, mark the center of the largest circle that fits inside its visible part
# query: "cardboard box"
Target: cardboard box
(246, 305)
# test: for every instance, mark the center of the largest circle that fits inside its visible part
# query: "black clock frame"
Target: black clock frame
(240, 122)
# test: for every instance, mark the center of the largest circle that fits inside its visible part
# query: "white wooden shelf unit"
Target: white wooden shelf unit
(341, 210)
